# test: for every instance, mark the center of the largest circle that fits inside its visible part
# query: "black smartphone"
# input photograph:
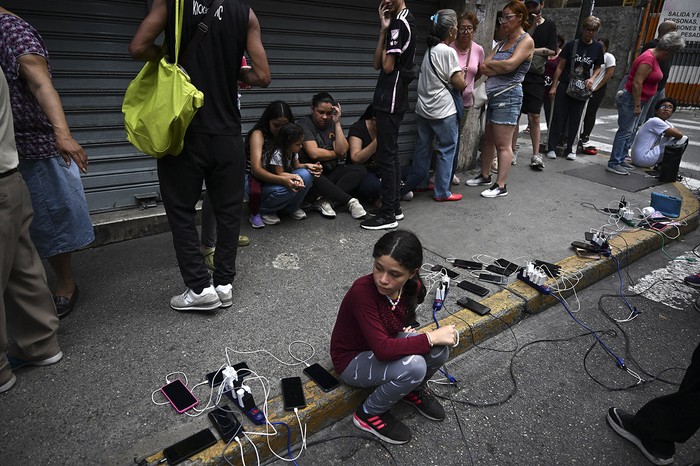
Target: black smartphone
(473, 306)
(497, 279)
(473, 288)
(179, 396)
(215, 378)
(588, 235)
(512, 267)
(322, 377)
(225, 422)
(450, 273)
(552, 270)
(587, 246)
(293, 393)
(465, 264)
(499, 270)
(192, 445)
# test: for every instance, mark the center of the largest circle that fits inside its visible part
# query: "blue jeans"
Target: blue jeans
(444, 132)
(277, 198)
(627, 123)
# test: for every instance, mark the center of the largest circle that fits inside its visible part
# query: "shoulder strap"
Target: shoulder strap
(202, 29)
(573, 56)
(430, 59)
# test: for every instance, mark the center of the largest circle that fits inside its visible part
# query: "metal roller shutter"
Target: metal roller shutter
(311, 46)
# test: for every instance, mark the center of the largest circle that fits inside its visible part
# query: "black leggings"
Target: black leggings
(338, 183)
(564, 107)
(591, 110)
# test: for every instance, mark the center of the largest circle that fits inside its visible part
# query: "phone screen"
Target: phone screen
(485, 277)
(190, 446)
(179, 396)
(322, 377)
(225, 422)
(464, 264)
(293, 393)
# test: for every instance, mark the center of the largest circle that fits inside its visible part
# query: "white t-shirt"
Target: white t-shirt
(276, 159)
(649, 137)
(435, 102)
(608, 62)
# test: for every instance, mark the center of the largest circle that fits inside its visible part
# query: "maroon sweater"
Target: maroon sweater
(365, 323)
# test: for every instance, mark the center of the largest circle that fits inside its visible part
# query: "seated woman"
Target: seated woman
(325, 144)
(656, 135)
(362, 140)
(373, 345)
(285, 181)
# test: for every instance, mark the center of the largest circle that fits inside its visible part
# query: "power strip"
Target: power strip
(535, 278)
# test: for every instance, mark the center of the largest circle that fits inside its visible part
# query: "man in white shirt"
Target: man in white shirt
(654, 136)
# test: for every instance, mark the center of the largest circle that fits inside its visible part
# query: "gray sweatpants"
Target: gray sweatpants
(393, 379)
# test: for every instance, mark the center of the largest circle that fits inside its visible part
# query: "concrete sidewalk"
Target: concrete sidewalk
(123, 339)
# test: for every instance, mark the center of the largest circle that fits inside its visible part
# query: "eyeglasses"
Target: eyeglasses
(465, 30)
(505, 18)
(666, 107)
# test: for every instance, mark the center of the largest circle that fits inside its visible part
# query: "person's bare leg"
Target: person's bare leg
(502, 135)
(65, 285)
(488, 153)
(534, 123)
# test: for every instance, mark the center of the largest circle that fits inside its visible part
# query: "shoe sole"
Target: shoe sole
(609, 170)
(207, 307)
(225, 302)
(387, 226)
(634, 440)
(492, 197)
(694, 285)
(258, 226)
(366, 427)
(400, 216)
(44, 362)
(425, 415)
(480, 184)
(9, 384)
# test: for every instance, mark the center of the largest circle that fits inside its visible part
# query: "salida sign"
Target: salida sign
(686, 14)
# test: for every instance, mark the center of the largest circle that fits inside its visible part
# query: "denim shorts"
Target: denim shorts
(61, 219)
(504, 109)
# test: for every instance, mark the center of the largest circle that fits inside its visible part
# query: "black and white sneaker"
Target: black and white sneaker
(385, 426)
(620, 420)
(379, 222)
(479, 181)
(495, 191)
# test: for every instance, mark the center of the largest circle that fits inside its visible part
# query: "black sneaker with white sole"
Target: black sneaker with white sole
(380, 222)
(479, 181)
(398, 214)
(495, 191)
(385, 426)
(620, 422)
(426, 404)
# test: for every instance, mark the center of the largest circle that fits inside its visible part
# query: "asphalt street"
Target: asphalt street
(123, 341)
(556, 412)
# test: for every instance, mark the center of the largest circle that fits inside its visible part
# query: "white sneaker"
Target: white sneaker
(495, 191)
(455, 180)
(571, 156)
(270, 219)
(536, 161)
(355, 208)
(408, 196)
(225, 293)
(551, 154)
(297, 214)
(324, 208)
(207, 300)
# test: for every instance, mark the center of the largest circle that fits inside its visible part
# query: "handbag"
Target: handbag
(456, 95)
(577, 88)
(479, 95)
(161, 101)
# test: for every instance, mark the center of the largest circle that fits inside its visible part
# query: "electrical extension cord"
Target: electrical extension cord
(534, 277)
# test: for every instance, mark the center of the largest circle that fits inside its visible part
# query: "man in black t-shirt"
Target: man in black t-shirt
(213, 151)
(393, 57)
(544, 34)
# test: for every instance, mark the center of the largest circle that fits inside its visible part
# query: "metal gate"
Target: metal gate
(312, 46)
